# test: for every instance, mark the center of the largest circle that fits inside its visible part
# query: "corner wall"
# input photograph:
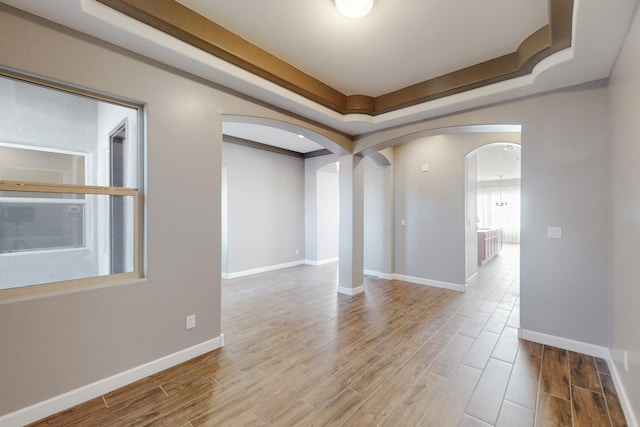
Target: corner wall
(471, 216)
(311, 209)
(265, 208)
(624, 297)
(378, 218)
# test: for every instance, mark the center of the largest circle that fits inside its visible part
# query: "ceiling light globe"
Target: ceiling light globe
(354, 8)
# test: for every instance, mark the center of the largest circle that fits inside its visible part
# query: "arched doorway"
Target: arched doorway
(492, 208)
(265, 207)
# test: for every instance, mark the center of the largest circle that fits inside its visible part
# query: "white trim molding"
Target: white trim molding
(565, 343)
(350, 291)
(66, 400)
(379, 275)
(320, 261)
(262, 269)
(429, 282)
(592, 350)
(625, 402)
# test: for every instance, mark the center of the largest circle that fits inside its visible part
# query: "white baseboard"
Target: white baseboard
(629, 414)
(472, 278)
(320, 261)
(64, 401)
(566, 343)
(386, 276)
(350, 291)
(428, 282)
(592, 350)
(261, 269)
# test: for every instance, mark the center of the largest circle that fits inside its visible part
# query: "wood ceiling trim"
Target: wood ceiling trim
(177, 20)
(185, 24)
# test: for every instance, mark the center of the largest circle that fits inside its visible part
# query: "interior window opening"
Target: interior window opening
(69, 187)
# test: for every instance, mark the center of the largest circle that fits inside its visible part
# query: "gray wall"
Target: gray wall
(624, 102)
(565, 182)
(431, 244)
(66, 340)
(311, 209)
(378, 218)
(328, 214)
(265, 208)
(471, 215)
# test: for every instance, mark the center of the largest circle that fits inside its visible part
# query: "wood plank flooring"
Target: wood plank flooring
(299, 354)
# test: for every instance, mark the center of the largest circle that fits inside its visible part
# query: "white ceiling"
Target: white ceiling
(398, 44)
(270, 136)
(494, 161)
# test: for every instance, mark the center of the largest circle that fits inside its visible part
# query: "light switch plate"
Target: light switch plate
(554, 232)
(626, 361)
(191, 321)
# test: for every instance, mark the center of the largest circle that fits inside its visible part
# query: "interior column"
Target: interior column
(351, 252)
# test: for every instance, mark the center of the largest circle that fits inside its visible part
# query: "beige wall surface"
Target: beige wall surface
(625, 140)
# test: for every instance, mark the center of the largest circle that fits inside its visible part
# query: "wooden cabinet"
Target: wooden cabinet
(489, 244)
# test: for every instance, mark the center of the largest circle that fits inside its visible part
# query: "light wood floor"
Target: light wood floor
(297, 353)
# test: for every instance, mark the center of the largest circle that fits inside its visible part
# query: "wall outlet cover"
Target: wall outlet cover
(191, 321)
(554, 232)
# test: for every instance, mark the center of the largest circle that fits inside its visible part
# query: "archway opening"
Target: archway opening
(493, 212)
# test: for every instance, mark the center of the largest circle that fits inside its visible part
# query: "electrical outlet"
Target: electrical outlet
(626, 362)
(297, 251)
(191, 321)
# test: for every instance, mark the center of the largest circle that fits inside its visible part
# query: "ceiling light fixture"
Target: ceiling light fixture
(354, 8)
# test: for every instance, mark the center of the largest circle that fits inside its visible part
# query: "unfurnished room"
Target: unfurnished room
(319, 213)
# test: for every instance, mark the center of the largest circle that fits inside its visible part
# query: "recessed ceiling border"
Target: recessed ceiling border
(179, 21)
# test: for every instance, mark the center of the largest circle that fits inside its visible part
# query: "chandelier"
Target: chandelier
(501, 203)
